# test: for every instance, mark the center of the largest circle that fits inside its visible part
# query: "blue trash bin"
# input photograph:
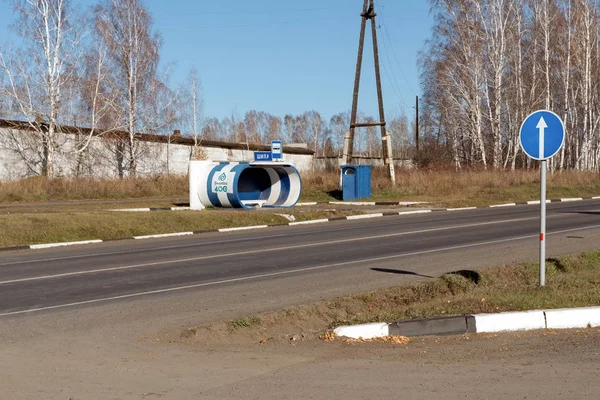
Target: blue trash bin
(356, 182)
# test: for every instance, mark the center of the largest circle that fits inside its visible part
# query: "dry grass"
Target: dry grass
(463, 188)
(42, 189)
(572, 281)
(439, 187)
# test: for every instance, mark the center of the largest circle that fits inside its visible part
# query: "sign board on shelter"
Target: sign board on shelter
(263, 156)
(276, 149)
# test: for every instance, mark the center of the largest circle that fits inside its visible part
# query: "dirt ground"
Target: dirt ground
(542, 364)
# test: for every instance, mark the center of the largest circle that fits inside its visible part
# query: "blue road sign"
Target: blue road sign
(276, 149)
(263, 156)
(542, 134)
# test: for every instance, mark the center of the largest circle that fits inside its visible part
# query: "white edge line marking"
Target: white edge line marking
(307, 204)
(243, 228)
(180, 208)
(49, 245)
(461, 209)
(571, 199)
(538, 202)
(365, 216)
(596, 198)
(164, 235)
(503, 205)
(280, 273)
(312, 221)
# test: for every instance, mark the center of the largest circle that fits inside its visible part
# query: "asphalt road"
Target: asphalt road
(42, 281)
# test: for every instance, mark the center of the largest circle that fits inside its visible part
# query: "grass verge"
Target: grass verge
(449, 188)
(572, 281)
(53, 227)
(459, 189)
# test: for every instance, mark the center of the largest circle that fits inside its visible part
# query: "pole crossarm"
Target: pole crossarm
(367, 124)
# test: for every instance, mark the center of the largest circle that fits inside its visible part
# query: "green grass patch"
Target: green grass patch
(247, 322)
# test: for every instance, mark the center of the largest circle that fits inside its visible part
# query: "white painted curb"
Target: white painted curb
(312, 221)
(503, 205)
(365, 331)
(364, 216)
(414, 212)
(50, 245)
(243, 228)
(510, 321)
(566, 318)
(163, 235)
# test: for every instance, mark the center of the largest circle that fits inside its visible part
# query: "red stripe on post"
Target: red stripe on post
(541, 237)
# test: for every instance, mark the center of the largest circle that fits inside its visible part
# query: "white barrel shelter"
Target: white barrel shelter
(243, 185)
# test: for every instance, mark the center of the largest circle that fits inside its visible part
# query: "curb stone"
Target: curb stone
(355, 217)
(563, 318)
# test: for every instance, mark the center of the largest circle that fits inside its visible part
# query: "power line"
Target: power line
(387, 34)
(246, 12)
(393, 83)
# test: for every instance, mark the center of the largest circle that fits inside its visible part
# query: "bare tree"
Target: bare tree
(193, 100)
(125, 26)
(37, 74)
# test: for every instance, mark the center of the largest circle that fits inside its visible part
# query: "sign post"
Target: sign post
(541, 136)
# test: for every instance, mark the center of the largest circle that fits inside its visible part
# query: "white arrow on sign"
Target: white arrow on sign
(542, 127)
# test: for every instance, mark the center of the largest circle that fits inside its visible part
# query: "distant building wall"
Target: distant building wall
(331, 163)
(105, 157)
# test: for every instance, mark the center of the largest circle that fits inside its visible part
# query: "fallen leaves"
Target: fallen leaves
(394, 339)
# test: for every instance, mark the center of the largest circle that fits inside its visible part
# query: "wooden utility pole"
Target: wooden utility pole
(368, 14)
(417, 124)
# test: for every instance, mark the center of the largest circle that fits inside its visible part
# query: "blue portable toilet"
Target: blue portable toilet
(356, 182)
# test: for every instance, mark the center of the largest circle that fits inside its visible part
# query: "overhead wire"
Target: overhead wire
(388, 71)
(390, 41)
(261, 11)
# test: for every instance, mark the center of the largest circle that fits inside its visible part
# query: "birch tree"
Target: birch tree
(125, 26)
(36, 75)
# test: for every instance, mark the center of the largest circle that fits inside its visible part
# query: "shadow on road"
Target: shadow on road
(400, 272)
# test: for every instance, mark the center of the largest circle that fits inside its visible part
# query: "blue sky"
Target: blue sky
(286, 56)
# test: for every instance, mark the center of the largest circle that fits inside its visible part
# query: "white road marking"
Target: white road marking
(503, 205)
(281, 273)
